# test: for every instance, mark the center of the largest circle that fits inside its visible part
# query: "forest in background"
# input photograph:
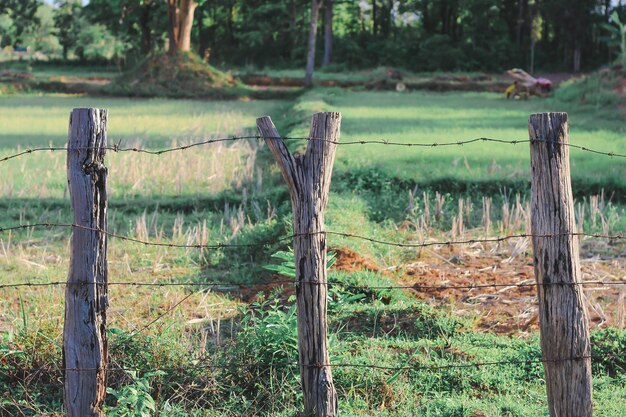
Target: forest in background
(420, 35)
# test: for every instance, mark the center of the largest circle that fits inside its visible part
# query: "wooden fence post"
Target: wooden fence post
(308, 178)
(564, 322)
(84, 331)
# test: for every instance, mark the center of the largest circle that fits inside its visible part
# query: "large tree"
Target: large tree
(23, 14)
(139, 23)
(180, 13)
(67, 21)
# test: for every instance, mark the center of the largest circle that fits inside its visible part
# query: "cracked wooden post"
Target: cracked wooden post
(563, 318)
(84, 330)
(308, 178)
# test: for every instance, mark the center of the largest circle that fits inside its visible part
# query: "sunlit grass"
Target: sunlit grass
(29, 120)
(428, 118)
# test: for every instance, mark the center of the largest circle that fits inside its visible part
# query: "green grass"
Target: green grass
(235, 194)
(334, 73)
(41, 70)
(421, 117)
(36, 120)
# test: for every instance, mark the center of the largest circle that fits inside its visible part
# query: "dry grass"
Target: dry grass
(208, 169)
(46, 259)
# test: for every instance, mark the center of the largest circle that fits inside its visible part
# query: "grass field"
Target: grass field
(233, 193)
(450, 117)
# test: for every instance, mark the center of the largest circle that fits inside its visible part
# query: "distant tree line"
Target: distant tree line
(420, 35)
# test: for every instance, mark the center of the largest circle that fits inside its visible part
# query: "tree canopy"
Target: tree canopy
(414, 34)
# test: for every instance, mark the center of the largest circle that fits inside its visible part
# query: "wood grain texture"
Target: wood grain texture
(308, 177)
(84, 331)
(564, 322)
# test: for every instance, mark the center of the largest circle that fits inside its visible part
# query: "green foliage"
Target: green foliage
(7, 29)
(617, 38)
(42, 37)
(96, 44)
(140, 25)
(608, 350)
(599, 90)
(68, 23)
(24, 17)
(135, 399)
(421, 35)
(287, 267)
(269, 332)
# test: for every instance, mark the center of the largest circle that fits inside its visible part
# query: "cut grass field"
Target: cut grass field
(233, 193)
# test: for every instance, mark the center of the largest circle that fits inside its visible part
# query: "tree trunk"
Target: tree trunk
(563, 319)
(84, 330)
(328, 33)
(520, 24)
(310, 59)
(180, 14)
(374, 18)
(308, 178)
(532, 56)
(577, 55)
(146, 31)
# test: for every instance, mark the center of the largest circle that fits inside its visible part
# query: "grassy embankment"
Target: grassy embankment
(198, 196)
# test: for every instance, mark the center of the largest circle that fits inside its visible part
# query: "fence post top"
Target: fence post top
(328, 114)
(89, 109)
(555, 114)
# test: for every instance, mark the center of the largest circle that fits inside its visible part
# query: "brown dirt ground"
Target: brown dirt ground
(511, 308)
(503, 309)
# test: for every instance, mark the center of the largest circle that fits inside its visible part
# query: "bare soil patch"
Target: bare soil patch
(506, 299)
(503, 299)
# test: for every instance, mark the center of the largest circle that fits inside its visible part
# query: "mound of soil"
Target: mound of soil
(180, 75)
(350, 261)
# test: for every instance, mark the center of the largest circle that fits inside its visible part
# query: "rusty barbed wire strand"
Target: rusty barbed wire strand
(119, 148)
(221, 245)
(416, 367)
(156, 319)
(355, 286)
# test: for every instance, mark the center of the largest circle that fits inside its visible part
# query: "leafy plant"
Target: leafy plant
(134, 400)
(617, 36)
(337, 296)
(287, 267)
(271, 331)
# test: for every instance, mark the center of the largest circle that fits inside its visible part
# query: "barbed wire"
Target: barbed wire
(118, 148)
(416, 367)
(296, 283)
(221, 245)
(156, 319)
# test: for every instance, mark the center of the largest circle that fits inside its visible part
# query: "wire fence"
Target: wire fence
(201, 363)
(229, 285)
(119, 148)
(221, 245)
(416, 367)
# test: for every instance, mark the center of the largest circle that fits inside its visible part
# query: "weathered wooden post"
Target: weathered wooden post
(308, 178)
(84, 331)
(564, 322)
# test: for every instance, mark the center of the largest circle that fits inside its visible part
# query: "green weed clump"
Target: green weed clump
(601, 89)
